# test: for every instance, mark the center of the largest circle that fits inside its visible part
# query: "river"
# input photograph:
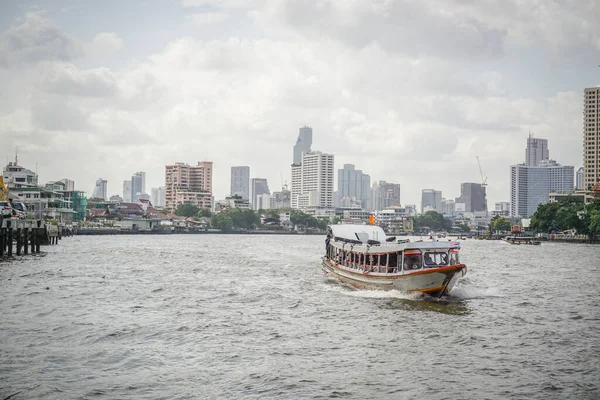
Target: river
(250, 316)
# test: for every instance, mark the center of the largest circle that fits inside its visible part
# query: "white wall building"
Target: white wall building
(312, 181)
(100, 190)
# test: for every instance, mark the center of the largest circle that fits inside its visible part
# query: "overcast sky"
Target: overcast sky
(408, 91)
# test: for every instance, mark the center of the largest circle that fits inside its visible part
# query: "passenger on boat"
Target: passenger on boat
(429, 260)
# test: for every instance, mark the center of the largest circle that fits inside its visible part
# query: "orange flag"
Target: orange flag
(372, 219)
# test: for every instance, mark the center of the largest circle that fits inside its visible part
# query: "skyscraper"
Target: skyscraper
(312, 181)
(188, 184)
(303, 144)
(240, 182)
(69, 184)
(127, 196)
(100, 189)
(352, 183)
(431, 198)
(158, 196)
(591, 137)
(536, 151)
(531, 186)
(259, 187)
(473, 196)
(385, 195)
(138, 185)
(579, 176)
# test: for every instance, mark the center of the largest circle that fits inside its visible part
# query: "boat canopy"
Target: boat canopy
(358, 233)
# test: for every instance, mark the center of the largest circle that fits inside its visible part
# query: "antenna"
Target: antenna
(16, 155)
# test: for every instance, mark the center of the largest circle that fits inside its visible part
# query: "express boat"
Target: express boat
(363, 257)
(522, 240)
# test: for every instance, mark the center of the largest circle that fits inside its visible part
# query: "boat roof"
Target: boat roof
(365, 237)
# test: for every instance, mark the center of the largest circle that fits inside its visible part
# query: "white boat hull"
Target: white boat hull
(434, 281)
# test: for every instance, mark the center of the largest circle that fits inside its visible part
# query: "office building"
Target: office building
(259, 186)
(536, 151)
(127, 196)
(473, 196)
(448, 207)
(384, 195)
(138, 185)
(281, 199)
(353, 184)
(188, 184)
(157, 196)
(591, 137)
(100, 190)
(240, 182)
(431, 199)
(531, 186)
(312, 181)
(579, 176)
(303, 144)
(69, 184)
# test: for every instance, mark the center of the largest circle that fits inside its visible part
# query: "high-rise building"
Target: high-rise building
(188, 184)
(579, 176)
(353, 184)
(259, 187)
(448, 207)
(138, 185)
(431, 199)
(502, 206)
(69, 184)
(281, 199)
(100, 190)
(536, 151)
(157, 196)
(303, 144)
(240, 182)
(591, 137)
(312, 181)
(473, 196)
(127, 196)
(384, 195)
(531, 186)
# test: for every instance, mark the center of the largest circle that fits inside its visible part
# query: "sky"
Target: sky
(410, 92)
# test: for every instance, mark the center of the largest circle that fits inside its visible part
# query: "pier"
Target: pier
(26, 236)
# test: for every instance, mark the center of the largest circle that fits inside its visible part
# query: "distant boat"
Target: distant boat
(528, 240)
(362, 256)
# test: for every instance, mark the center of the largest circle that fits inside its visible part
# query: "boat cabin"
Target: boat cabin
(366, 248)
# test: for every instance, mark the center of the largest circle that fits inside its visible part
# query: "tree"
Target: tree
(204, 213)
(594, 226)
(500, 224)
(165, 211)
(187, 210)
(95, 200)
(432, 220)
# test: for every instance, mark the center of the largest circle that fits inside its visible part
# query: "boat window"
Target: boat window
(435, 259)
(412, 260)
(392, 263)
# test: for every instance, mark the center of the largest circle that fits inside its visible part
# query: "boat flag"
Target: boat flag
(455, 247)
(372, 219)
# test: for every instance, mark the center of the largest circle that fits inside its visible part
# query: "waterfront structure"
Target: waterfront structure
(17, 176)
(127, 191)
(240, 181)
(384, 195)
(354, 184)
(591, 137)
(431, 199)
(579, 175)
(312, 181)
(259, 187)
(188, 184)
(157, 196)
(473, 196)
(303, 144)
(100, 190)
(536, 151)
(531, 186)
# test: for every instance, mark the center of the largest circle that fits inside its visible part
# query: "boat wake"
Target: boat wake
(470, 292)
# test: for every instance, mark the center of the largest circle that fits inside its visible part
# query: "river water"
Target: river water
(227, 316)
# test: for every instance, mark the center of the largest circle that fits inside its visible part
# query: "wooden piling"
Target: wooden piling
(10, 240)
(18, 241)
(25, 241)
(38, 238)
(2, 240)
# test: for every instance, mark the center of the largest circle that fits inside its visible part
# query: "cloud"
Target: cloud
(36, 39)
(208, 18)
(105, 43)
(67, 79)
(225, 4)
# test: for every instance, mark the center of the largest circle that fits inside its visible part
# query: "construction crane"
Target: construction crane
(483, 180)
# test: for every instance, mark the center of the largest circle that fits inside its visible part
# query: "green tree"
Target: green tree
(544, 218)
(432, 220)
(204, 213)
(500, 224)
(187, 210)
(165, 211)
(594, 226)
(95, 200)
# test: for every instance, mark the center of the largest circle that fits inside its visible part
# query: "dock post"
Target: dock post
(19, 233)
(25, 241)
(9, 238)
(2, 240)
(32, 240)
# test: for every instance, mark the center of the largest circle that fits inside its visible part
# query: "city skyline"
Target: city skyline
(138, 100)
